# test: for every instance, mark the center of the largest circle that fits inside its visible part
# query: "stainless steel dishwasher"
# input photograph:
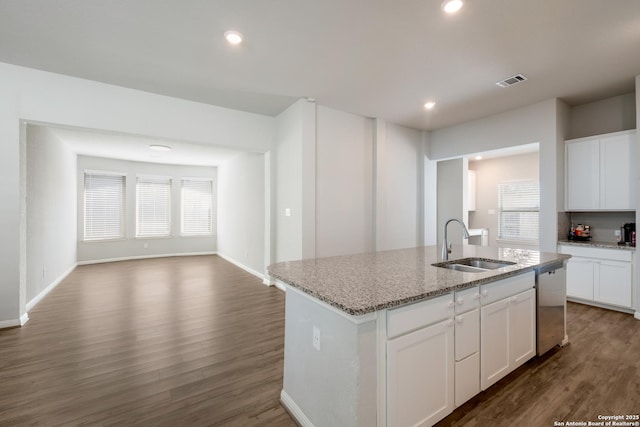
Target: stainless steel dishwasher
(551, 298)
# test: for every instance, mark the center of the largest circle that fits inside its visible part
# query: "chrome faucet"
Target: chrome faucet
(446, 247)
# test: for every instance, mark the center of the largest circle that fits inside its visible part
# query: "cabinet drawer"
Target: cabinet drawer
(467, 381)
(467, 334)
(504, 288)
(467, 300)
(414, 316)
(598, 253)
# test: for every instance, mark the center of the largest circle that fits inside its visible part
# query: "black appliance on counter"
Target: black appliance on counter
(628, 234)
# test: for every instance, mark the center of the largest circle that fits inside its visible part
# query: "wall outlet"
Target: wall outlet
(287, 211)
(145, 245)
(317, 337)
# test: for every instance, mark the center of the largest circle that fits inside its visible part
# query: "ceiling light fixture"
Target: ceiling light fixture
(478, 157)
(429, 105)
(157, 147)
(233, 37)
(452, 6)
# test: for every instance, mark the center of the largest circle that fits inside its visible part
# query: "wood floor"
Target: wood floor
(169, 341)
(196, 341)
(598, 373)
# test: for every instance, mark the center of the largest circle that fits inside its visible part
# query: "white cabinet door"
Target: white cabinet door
(582, 174)
(467, 332)
(508, 336)
(420, 376)
(617, 157)
(494, 343)
(613, 283)
(600, 173)
(580, 273)
(522, 328)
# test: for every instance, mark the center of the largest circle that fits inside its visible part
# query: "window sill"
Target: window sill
(119, 239)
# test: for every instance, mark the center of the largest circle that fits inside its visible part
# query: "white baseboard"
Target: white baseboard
(13, 323)
(9, 323)
(294, 410)
(35, 300)
(280, 285)
(129, 258)
(602, 305)
(637, 315)
(565, 341)
(242, 266)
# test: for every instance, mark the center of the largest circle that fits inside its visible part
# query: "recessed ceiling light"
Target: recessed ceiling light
(156, 147)
(429, 105)
(452, 6)
(233, 37)
(478, 157)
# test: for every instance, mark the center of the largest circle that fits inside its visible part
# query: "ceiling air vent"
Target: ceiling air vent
(510, 81)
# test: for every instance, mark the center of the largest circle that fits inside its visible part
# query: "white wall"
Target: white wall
(130, 246)
(430, 193)
(451, 182)
(288, 183)
(37, 96)
(398, 208)
(352, 184)
(241, 211)
(604, 116)
(51, 212)
(546, 123)
(344, 189)
(490, 173)
(329, 393)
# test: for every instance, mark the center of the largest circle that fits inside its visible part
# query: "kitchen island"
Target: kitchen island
(387, 338)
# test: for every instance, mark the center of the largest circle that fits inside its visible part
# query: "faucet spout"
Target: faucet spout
(446, 247)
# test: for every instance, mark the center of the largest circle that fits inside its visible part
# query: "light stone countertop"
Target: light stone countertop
(364, 283)
(597, 244)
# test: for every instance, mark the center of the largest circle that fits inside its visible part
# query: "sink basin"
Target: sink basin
(473, 265)
(489, 264)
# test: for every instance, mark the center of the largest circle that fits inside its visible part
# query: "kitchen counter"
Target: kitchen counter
(365, 283)
(364, 333)
(597, 244)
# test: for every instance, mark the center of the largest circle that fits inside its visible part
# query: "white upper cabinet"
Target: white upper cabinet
(583, 174)
(617, 157)
(599, 173)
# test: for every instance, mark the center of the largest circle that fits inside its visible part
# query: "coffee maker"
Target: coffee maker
(628, 234)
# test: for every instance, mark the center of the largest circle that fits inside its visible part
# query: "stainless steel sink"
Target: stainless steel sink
(473, 265)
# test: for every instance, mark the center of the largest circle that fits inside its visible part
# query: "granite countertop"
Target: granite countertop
(597, 244)
(364, 283)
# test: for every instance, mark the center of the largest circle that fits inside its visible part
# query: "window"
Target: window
(197, 207)
(519, 211)
(103, 206)
(153, 207)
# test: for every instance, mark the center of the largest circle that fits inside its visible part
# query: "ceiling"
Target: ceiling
(375, 58)
(136, 148)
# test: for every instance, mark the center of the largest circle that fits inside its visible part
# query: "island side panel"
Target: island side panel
(336, 385)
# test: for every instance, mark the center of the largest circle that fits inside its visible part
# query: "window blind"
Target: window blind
(153, 207)
(103, 206)
(519, 211)
(197, 207)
